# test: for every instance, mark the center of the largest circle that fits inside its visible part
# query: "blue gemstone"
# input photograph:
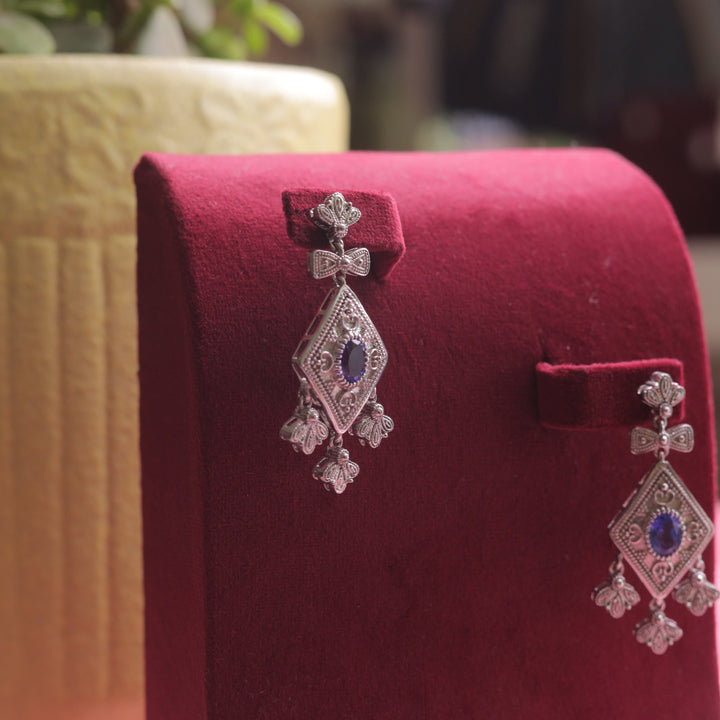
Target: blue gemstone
(352, 361)
(665, 534)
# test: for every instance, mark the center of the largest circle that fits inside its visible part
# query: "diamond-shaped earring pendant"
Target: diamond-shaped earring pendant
(661, 530)
(339, 359)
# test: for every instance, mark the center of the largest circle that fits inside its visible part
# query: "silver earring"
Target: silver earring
(661, 530)
(339, 359)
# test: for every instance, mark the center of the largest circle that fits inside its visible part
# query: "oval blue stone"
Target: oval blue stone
(352, 361)
(665, 534)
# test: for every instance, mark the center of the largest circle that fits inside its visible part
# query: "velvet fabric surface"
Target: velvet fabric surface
(452, 579)
(593, 396)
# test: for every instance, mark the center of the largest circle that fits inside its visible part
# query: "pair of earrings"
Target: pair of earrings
(339, 359)
(661, 530)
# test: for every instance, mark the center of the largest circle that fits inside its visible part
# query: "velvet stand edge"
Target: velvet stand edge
(173, 527)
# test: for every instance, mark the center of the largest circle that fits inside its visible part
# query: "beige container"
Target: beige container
(71, 130)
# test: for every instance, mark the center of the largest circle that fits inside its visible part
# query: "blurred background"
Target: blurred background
(639, 76)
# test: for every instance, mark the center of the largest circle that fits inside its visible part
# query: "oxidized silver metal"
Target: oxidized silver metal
(318, 356)
(661, 530)
(616, 594)
(322, 264)
(661, 492)
(340, 358)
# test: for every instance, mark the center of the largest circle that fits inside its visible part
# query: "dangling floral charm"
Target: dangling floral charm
(339, 359)
(657, 630)
(304, 430)
(373, 425)
(616, 594)
(336, 470)
(661, 530)
(696, 592)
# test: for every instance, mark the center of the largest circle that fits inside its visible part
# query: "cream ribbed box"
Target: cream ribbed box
(71, 129)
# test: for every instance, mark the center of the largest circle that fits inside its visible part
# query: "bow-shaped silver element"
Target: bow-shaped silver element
(323, 263)
(696, 592)
(661, 393)
(657, 630)
(335, 215)
(680, 438)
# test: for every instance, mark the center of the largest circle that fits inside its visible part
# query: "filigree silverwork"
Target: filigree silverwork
(661, 530)
(339, 359)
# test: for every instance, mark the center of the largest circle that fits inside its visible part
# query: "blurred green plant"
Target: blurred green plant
(240, 28)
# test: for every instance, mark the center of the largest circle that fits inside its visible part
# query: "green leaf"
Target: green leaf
(241, 8)
(221, 43)
(49, 9)
(283, 22)
(256, 37)
(23, 35)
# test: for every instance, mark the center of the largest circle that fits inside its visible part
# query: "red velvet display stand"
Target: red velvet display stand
(452, 579)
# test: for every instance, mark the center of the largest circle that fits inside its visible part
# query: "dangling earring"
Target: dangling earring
(661, 530)
(339, 359)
